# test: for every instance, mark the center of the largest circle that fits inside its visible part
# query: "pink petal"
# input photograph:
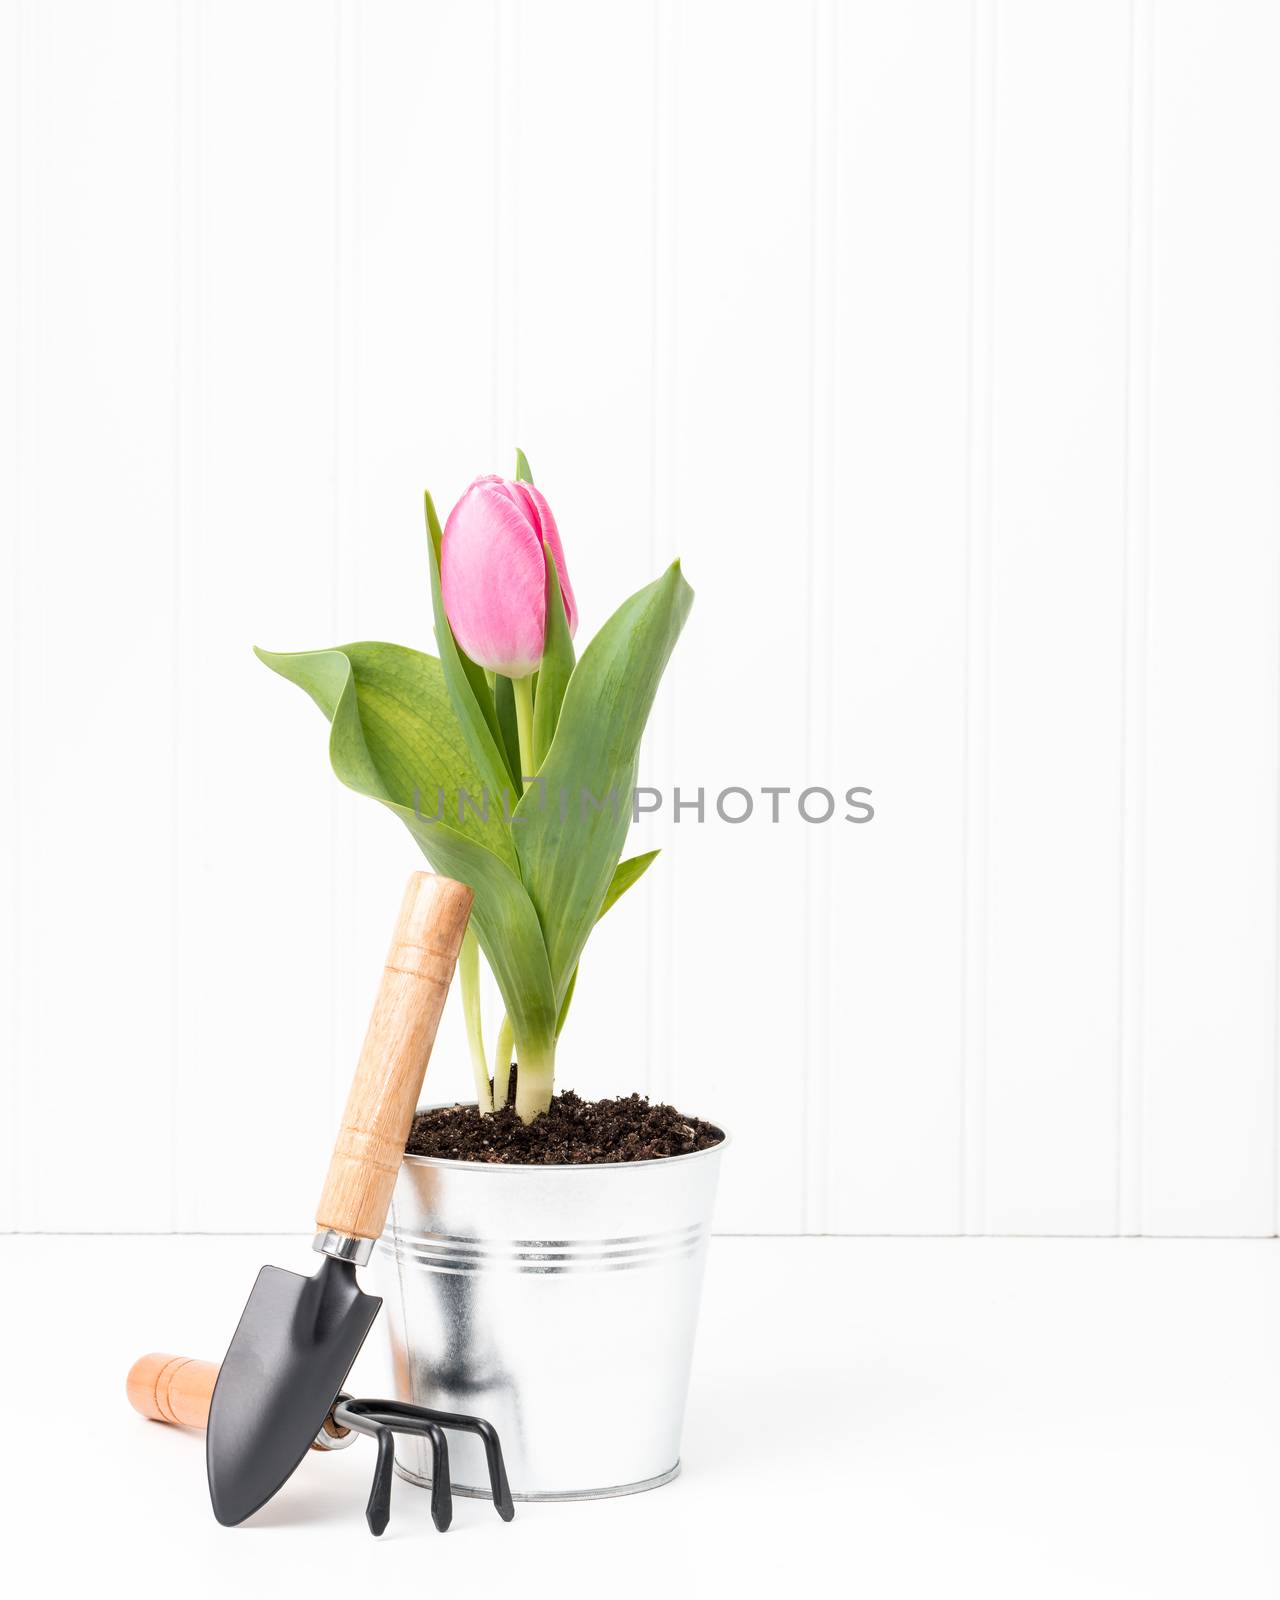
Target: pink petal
(493, 579)
(540, 511)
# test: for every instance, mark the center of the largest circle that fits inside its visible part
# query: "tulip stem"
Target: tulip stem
(522, 688)
(469, 982)
(535, 1077)
(502, 1065)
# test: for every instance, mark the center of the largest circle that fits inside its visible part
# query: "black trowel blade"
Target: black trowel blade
(286, 1365)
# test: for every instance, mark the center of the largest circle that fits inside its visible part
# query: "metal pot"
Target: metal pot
(558, 1302)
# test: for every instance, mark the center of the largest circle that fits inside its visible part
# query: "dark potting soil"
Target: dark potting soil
(573, 1130)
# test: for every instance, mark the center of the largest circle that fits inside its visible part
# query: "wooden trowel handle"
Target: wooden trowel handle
(173, 1389)
(384, 1096)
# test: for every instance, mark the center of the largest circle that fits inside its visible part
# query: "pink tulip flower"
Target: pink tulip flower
(493, 577)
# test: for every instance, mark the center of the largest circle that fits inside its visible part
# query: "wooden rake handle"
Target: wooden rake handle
(172, 1389)
(402, 1030)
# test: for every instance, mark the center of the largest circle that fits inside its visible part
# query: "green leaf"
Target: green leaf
(392, 733)
(570, 826)
(567, 1001)
(396, 736)
(469, 691)
(506, 926)
(557, 665)
(625, 874)
(524, 473)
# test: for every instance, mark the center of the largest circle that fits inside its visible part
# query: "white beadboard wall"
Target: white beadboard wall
(939, 339)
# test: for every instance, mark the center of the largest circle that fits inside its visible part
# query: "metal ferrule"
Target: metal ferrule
(342, 1246)
(333, 1436)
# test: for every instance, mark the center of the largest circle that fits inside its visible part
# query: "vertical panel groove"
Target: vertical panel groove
(1209, 955)
(24, 486)
(818, 973)
(182, 22)
(898, 637)
(977, 600)
(1136, 603)
(28, 516)
(506, 253)
(346, 821)
(1055, 617)
(97, 557)
(188, 498)
(1275, 516)
(660, 737)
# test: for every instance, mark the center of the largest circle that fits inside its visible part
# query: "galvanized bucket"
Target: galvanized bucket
(558, 1302)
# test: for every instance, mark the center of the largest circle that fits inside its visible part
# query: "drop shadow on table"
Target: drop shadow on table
(307, 1498)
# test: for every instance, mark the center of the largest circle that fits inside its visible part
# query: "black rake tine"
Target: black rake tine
(412, 1420)
(393, 1410)
(378, 1511)
(488, 1435)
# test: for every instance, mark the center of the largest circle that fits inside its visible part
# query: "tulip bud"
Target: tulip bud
(493, 576)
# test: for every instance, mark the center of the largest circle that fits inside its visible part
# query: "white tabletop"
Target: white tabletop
(881, 1417)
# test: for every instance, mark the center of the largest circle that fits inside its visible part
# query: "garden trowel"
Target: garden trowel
(298, 1336)
(178, 1390)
